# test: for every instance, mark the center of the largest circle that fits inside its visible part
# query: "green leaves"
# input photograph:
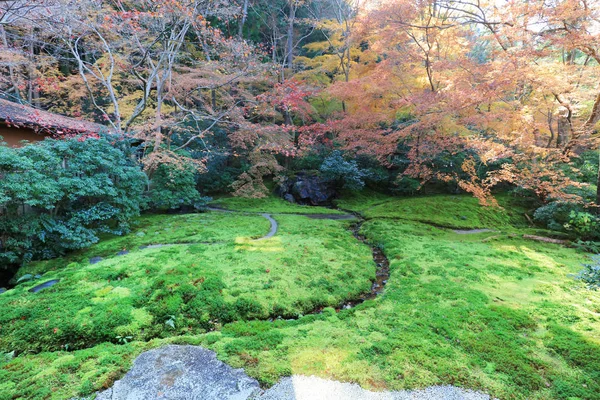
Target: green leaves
(59, 195)
(173, 187)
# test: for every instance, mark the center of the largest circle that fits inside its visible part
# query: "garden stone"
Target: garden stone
(44, 285)
(2, 290)
(25, 278)
(95, 260)
(181, 372)
(308, 189)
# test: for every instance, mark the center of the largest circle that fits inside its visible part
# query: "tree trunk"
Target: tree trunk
(290, 35)
(598, 187)
(244, 17)
(595, 115)
(589, 125)
(33, 92)
(11, 70)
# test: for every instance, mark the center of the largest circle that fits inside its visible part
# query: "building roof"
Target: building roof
(44, 122)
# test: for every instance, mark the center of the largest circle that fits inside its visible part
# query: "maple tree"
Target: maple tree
(470, 94)
(462, 77)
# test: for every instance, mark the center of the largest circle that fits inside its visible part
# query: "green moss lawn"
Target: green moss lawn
(488, 311)
(271, 204)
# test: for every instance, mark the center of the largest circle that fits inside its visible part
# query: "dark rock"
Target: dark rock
(122, 253)
(308, 189)
(25, 278)
(44, 285)
(181, 372)
(289, 197)
(95, 260)
(2, 290)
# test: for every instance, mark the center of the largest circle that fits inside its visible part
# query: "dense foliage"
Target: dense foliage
(346, 173)
(174, 188)
(61, 195)
(371, 99)
(590, 274)
(451, 95)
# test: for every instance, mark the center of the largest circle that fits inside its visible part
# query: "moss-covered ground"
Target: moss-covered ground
(488, 311)
(271, 204)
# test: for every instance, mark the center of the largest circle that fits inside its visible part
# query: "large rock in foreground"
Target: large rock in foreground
(194, 373)
(181, 372)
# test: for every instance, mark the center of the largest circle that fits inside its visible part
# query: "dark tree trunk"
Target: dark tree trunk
(598, 187)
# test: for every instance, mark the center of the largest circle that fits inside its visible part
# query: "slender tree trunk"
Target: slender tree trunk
(589, 125)
(429, 73)
(11, 70)
(550, 122)
(244, 17)
(33, 92)
(158, 114)
(290, 35)
(598, 186)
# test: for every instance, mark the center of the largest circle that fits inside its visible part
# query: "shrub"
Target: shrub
(568, 217)
(583, 224)
(174, 187)
(59, 195)
(556, 214)
(406, 185)
(587, 167)
(590, 274)
(345, 173)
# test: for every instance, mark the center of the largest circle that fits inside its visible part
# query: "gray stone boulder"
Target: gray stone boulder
(194, 373)
(289, 198)
(181, 372)
(310, 189)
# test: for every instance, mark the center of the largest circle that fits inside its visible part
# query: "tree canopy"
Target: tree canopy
(466, 93)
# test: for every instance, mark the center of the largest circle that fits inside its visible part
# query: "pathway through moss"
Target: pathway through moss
(501, 315)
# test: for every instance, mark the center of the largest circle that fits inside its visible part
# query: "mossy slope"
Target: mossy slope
(485, 311)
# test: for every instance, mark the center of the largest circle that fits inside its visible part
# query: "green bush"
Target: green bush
(59, 195)
(590, 274)
(174, 187)
(556, 214)
(568, 217)
(587, 167)
(346, 173)
(583, 224)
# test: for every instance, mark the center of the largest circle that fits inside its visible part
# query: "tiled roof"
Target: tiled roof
(45, 122)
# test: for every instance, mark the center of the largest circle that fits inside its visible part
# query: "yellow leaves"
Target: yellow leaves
(449, 126)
